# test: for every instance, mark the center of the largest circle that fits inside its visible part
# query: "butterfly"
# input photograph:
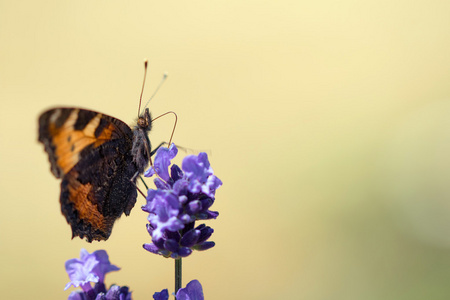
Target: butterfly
(98, 159)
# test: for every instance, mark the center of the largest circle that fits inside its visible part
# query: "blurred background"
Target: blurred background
(327, 121)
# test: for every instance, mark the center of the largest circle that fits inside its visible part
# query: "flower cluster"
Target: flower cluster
(192, 291)
(181, 197)
(93, 268)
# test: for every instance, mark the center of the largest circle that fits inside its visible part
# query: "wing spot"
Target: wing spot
(82, 197)
(55, 115)
(90, 128)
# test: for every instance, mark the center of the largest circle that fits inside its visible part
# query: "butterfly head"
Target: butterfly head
(144, 121)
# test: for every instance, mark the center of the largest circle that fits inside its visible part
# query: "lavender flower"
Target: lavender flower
(181, 198)
(200, 175)
(163, 295)
(81, 271)
(192, 291)
(115, 292)
(93, 268)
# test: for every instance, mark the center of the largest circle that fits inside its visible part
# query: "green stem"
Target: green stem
(178, 272)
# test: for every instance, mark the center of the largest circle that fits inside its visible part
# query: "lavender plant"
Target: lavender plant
(182, 197)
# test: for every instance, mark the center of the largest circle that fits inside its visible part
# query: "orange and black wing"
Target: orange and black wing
(91, 152)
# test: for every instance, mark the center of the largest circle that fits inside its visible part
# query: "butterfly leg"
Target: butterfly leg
(133, 181)
(142, 179)
(156, 149)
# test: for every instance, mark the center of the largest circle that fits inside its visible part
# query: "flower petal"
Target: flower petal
(162, 162)
(192, 291)
(163, 295)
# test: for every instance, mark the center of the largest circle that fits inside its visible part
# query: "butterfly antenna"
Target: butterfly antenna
(154, 93)
(174, 125)
(143, 84)
(168, 144)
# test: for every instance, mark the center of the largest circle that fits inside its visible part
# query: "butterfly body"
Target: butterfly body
(98, 158)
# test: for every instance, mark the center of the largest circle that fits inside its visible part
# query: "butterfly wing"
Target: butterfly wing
(91, 152)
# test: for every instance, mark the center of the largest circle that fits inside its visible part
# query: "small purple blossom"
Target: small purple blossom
(115, 292)
(104, 266)
(88, 268)
(182, 197)
(200, 174)
(192, 291)
(76, 295)
(92, 267)
(165, 207)
(162, 162)
(81, 271)
(163, 295)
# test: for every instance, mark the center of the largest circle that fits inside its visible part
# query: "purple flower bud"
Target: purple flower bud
(204, 246)
(183, 252)
(205, 233)
(116, 292)
(160, 184)
(100, 296)
(176, 173)
(171, 245)
(151, 248)
(192, 291)
(163, 295)
(77, 295)
(190, 238)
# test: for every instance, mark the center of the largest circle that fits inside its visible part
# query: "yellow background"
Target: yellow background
(328, 122)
